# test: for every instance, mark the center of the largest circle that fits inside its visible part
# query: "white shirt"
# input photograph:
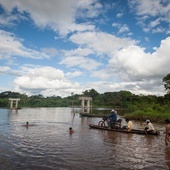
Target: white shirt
(129, 125)
(150, 126)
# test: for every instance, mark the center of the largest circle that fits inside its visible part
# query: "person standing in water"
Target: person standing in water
(167, 131)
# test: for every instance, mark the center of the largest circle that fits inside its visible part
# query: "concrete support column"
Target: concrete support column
(12, 101)
(11, 104)
(16, 104)
(86, 104)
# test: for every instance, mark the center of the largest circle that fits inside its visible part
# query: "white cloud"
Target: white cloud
(74, 74)
(43, 79)
(4, 69)
(146, 39)
(151, 13)
(158, 30)
(124, 28)
(10, 46)
(81, 62)
(133, 63)
(50, 51)
(154, 23)
(60, 16)
(139, 65)
(79, 57)
(119, 15)
(116, 25)
(103, 74)
(151, 7)
(135, 70)
(146, 87)
(101, 43)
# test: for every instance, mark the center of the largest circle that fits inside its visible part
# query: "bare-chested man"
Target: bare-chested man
(167, 131)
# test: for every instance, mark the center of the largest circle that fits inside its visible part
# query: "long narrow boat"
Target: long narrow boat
(141, 132)
(91, 115)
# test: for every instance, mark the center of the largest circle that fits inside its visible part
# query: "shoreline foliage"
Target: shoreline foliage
(139, 107)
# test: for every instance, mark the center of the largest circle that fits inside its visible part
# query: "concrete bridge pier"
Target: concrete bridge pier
(86, 104)
(13, 103)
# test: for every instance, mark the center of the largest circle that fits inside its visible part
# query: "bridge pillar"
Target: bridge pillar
(12, 102)
(86, 104)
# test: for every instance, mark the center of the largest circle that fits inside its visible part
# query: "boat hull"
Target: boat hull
(90, 115)
(135, 131)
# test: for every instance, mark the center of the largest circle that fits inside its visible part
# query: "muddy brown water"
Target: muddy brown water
(46, 144)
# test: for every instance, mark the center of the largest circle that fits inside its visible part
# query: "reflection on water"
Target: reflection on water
(47, 144)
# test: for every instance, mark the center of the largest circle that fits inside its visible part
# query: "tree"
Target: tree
(166, 80)
(91, 93)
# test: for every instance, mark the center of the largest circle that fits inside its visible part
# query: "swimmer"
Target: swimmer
(71, 130)
(27, 124)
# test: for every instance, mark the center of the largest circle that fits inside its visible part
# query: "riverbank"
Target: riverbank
(154, 116)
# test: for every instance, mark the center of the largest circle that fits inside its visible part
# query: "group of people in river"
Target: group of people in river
(114, 123)
(71, 131)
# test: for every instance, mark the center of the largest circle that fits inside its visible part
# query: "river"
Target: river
(47, 145)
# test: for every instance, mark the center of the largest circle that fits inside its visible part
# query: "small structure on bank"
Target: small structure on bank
(14, 103)
(86, 104)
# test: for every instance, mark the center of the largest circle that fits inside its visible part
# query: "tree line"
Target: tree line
(122, 99)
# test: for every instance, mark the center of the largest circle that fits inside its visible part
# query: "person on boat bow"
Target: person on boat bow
(149, 127)
(129, 125)
(112, 118)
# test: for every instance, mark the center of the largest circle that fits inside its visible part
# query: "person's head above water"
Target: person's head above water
(71, 130)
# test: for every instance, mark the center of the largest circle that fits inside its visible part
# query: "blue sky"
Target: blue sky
(58, 47)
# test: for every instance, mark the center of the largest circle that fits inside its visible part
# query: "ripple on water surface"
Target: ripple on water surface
(47, 144)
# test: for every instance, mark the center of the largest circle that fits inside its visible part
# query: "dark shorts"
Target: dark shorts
(169, 133)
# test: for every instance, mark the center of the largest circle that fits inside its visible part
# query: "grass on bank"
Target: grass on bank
(154, 113)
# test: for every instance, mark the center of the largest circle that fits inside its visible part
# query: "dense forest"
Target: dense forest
(140, 105)
(121, 99)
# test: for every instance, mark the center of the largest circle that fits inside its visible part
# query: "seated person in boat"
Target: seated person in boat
(112, 118)
(167, 131)
(129, 125)
(149, 127)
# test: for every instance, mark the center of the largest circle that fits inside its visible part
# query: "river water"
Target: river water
(46, 144)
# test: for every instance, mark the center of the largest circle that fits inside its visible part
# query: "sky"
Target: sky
(55, 48)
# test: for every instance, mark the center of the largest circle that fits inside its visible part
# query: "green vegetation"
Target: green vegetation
(140, 107)
(157, 109)
(155, 112)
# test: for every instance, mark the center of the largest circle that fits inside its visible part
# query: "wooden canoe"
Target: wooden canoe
(91, 115)
(135, 131)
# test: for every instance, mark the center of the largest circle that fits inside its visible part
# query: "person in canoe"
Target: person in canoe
(129, 126)
(149, 127)
(167, 131)
(112, 118)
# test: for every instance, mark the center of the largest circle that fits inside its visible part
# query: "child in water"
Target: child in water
(71, 130)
